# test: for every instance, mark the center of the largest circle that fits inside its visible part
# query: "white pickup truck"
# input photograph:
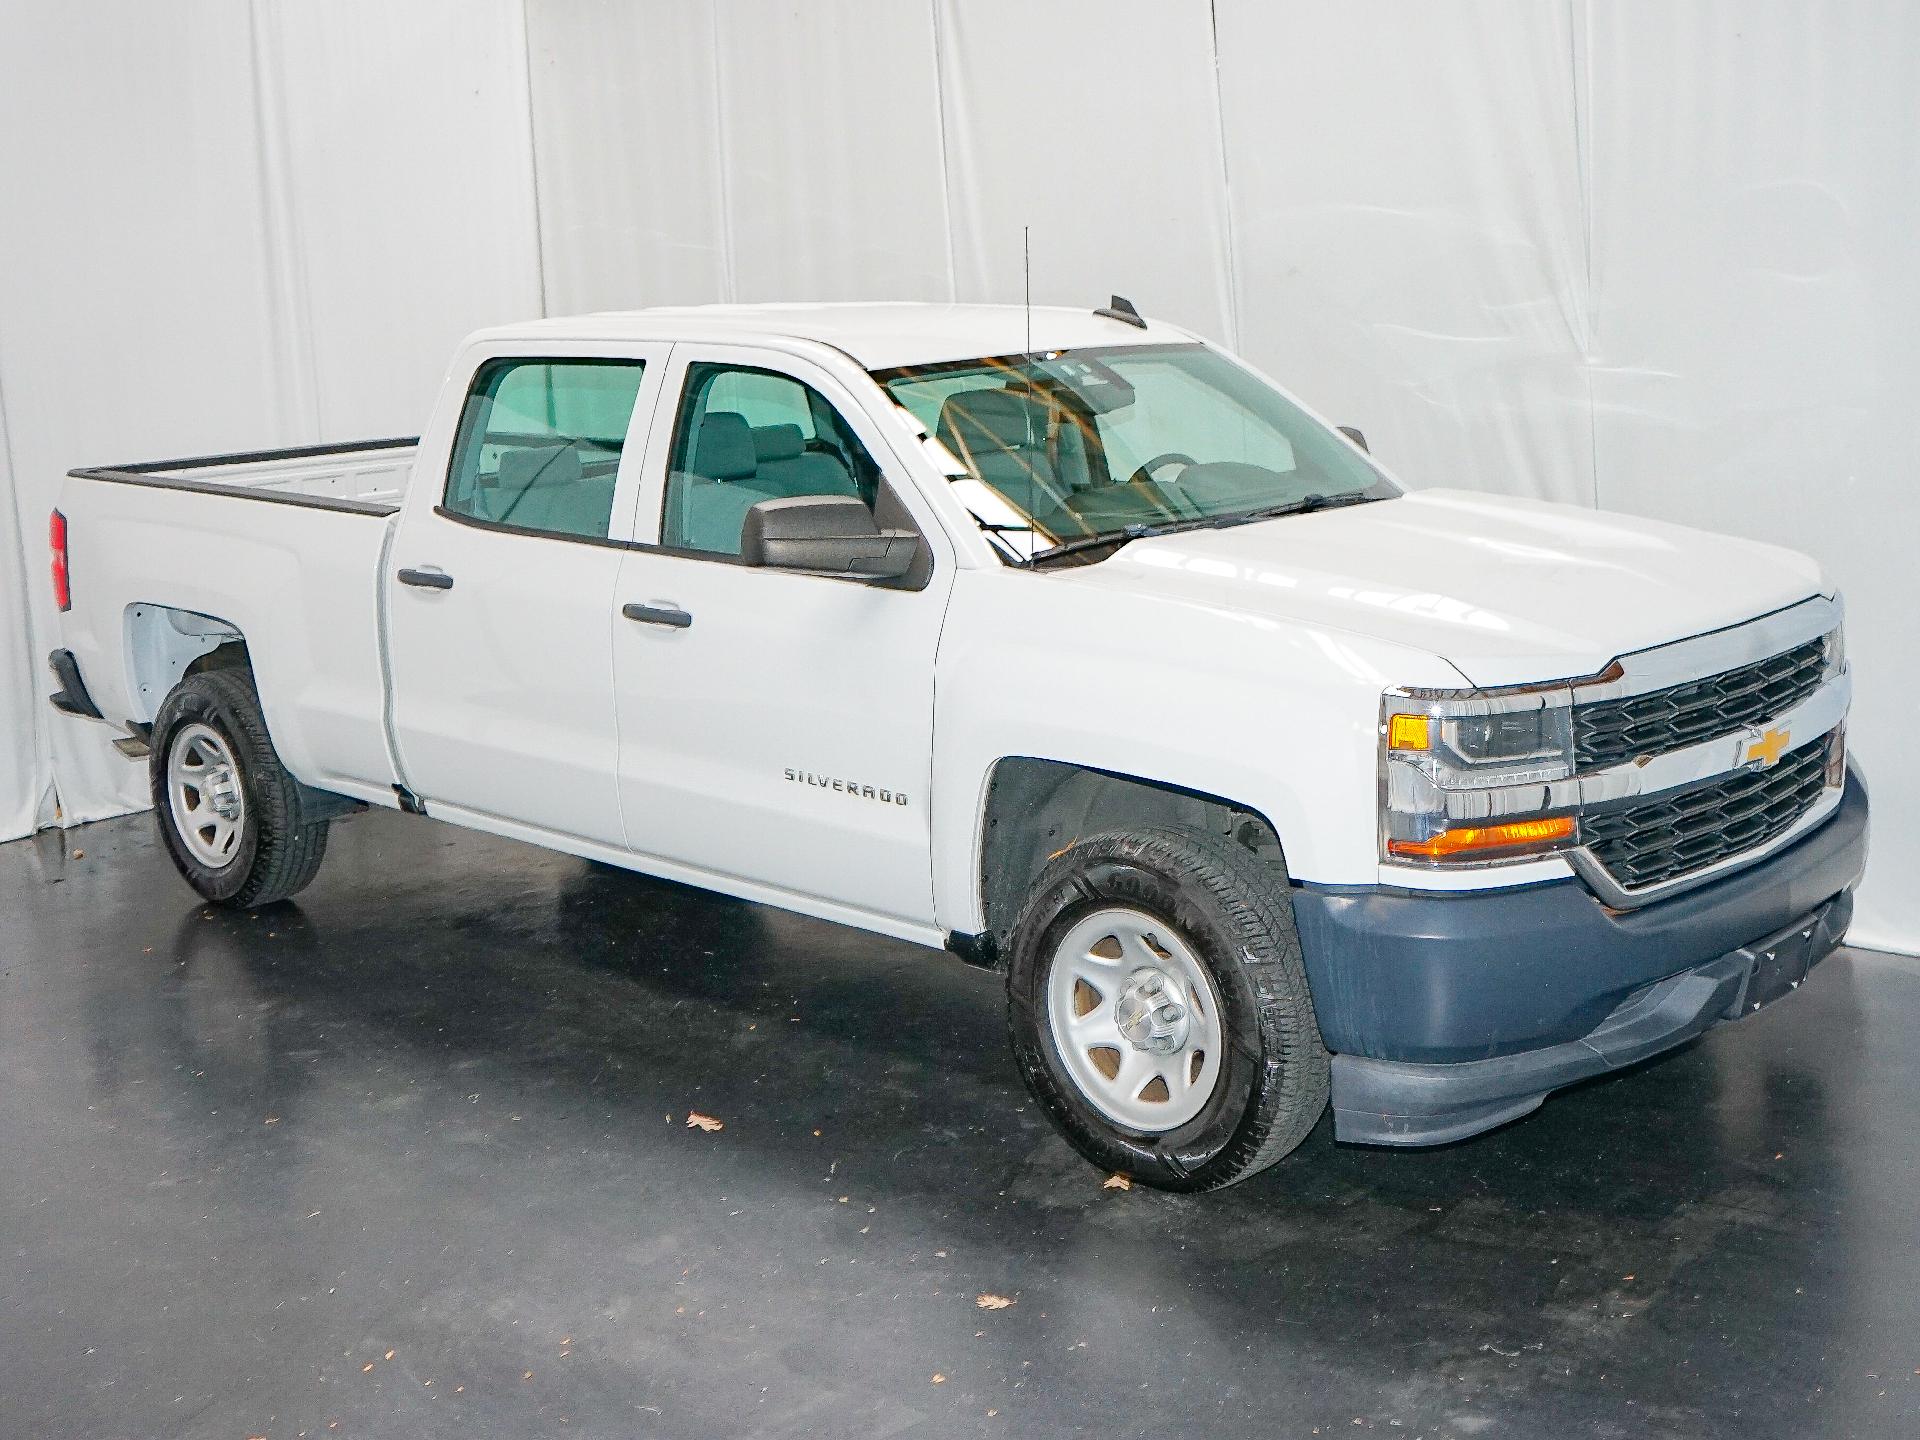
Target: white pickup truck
(1061, 639)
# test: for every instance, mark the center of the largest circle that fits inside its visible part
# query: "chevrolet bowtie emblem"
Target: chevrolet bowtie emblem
(1767, 749)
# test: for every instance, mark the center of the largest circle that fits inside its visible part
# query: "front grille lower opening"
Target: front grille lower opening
(1649, 841)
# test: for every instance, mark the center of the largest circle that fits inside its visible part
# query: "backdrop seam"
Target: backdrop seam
(285, 255)
(1578, 17)
(41, 739)
(533, 158)
(730, 281)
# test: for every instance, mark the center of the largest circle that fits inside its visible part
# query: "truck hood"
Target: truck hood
(1507, 591)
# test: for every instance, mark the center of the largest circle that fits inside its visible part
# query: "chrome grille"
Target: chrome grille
(1645, 842)
(1608, 732)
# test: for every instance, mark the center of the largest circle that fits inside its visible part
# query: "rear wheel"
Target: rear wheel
(1159, 1011)
(229, 812)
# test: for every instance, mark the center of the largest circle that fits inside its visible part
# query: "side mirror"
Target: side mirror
(825, 535)
(1353, 434)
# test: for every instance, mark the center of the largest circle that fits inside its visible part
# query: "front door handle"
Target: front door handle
(658, 615)
(431, 579)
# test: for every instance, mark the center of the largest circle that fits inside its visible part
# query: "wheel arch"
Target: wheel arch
(165, 644)
(1035, 808)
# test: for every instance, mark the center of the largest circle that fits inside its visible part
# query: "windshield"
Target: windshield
(1081, 445)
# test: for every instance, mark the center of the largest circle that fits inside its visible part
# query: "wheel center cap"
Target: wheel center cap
(1149, 1013)
(222, 794)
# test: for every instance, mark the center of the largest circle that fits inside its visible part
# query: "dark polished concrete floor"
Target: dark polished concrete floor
(409, 1158)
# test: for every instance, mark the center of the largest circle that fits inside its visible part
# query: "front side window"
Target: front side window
(539, 444)
(746, 435)
(1080, 444)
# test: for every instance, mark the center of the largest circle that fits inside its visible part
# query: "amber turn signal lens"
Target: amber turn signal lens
(1407, 732)
(1474, 839)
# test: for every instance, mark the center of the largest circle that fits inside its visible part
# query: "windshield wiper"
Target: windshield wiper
(1088, 542)
(1116, 538)
(1305, 505)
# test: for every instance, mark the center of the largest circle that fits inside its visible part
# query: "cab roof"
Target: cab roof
(879, 335)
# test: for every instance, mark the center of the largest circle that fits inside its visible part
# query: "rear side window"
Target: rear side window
(539, 444)
(744, 436)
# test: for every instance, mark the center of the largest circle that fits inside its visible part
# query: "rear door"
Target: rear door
(501, 597)
(776, 728)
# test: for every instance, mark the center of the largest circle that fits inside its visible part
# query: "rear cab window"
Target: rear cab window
(539, 444)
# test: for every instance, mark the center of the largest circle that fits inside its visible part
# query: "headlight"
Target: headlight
(1440, 755)
(1833, 648)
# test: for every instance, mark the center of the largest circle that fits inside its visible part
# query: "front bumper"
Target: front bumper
(1450, 1014)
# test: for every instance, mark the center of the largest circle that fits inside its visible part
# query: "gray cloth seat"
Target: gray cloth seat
(718, 487)
(787, 468)
(545, 487)
(1002, 435)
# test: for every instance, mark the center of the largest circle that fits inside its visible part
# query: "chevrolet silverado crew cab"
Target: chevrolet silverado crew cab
(1061, 639)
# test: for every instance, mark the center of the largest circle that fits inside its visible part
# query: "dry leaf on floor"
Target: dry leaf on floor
(992, 1302)
(697, 1121)
(1117, 1181)
(938, 1378)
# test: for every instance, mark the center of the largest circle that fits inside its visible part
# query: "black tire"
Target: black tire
(1232, 911)
(276, 855)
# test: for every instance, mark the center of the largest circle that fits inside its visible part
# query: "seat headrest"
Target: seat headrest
(777, 442)
(724, 449)
(994, 419)
(542, 465)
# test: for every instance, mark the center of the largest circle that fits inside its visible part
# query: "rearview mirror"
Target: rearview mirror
(825, 535)
(1353, 434)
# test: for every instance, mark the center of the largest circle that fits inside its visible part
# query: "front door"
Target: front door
(501, 601)
(776, 728)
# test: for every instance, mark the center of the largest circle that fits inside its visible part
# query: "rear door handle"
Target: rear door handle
(430, 579)
(658, 615)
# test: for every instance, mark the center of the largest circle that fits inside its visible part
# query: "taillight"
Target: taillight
(57, 538)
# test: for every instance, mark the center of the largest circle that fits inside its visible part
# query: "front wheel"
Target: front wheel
(1159, 1010)
(229, 812)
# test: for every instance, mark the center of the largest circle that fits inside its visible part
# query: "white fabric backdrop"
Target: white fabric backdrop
(1618, 254)
(22, 758)
(228, 225)
(1756, 362)
(1407, 226)
(1623, 254)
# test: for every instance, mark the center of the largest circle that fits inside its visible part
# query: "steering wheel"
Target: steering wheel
(1167, 457)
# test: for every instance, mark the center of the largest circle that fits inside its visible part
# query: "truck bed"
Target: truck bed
(364, 475)
(280, 550)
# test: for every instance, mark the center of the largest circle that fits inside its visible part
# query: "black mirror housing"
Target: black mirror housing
(1353, 433)
(825, 535)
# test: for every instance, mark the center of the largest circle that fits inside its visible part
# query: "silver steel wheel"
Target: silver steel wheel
(204, 792)
(1136, 1019)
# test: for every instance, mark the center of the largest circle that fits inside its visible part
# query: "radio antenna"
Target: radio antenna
(1026, 284)
(1026, 280)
